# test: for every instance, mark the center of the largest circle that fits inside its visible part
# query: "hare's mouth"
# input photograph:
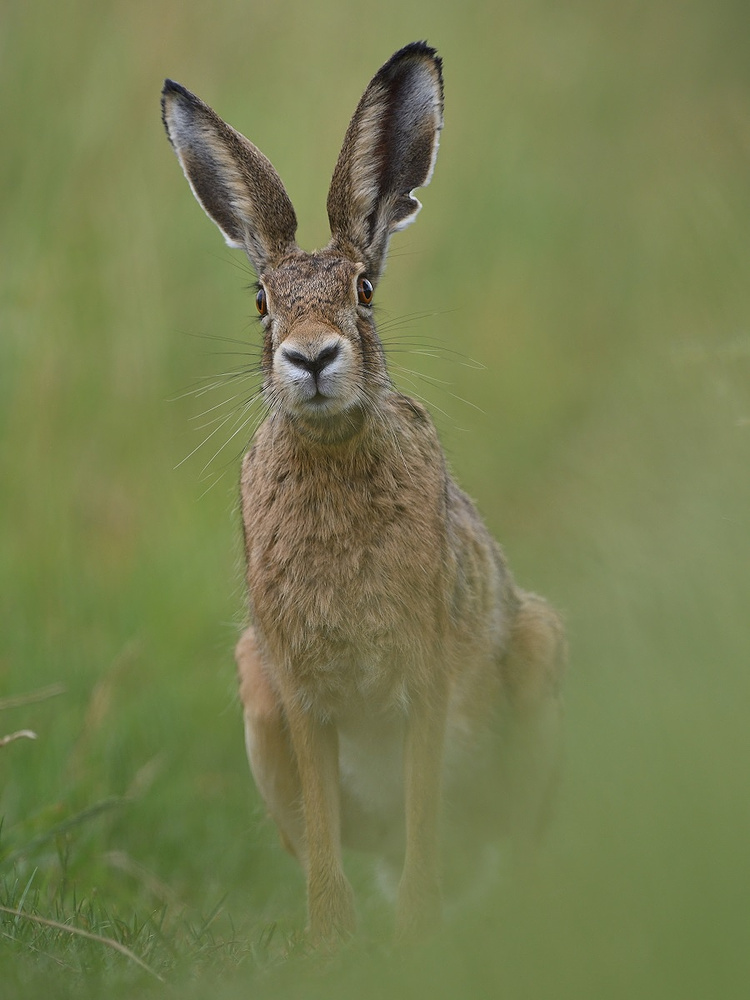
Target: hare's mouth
(322, 405)
(310, 392)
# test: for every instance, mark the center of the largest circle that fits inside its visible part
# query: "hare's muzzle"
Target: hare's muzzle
(314, 372)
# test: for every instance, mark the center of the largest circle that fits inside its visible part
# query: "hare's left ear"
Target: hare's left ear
(389, 150)
(233, 181)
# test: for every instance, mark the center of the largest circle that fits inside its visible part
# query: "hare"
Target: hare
(392, 660)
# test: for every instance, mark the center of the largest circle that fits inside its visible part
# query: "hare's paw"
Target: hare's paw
(419, 907)
(332, 916)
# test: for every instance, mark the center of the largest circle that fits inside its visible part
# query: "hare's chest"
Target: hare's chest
(336, 550)
(342, 587)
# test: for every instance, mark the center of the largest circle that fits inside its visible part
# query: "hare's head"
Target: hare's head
(323, 362)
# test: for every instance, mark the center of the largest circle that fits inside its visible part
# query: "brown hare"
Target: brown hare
(392, 662)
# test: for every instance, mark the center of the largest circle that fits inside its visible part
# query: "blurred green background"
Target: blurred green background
(574, 300)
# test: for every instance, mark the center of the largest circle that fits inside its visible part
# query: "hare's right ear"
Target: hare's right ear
(235, 184)
(389, 150)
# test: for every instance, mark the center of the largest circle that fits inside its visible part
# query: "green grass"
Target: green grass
(585, 241)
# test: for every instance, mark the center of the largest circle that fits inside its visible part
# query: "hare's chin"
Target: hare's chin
(321, 407)
(328, 422)
(327, 397)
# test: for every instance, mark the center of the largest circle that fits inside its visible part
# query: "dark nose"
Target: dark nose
(314, 364)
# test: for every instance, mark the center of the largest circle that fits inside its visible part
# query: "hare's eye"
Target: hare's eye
(261, 303)
(364, 291)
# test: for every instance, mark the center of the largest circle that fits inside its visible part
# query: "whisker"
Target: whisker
(204, 441)
(242, 425)
(219, 337)
(232, 460)
(468, 402)
(416, 316)
(236, 262)
(256, 396)
(431, 379)
(439, 384)
(217, 479)
(231, 373)
(408, 350)
(221, 379)
(251, 353)
(423, 399)
(391, 431)
(402, 346)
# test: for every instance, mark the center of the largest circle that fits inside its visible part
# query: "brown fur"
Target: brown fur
(387, 629)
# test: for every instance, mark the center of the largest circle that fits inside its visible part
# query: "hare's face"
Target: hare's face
(323, 361)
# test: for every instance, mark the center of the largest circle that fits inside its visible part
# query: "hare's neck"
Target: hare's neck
(351, 436)
(353, 430)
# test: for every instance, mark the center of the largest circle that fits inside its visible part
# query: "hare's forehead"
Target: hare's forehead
(322, 278)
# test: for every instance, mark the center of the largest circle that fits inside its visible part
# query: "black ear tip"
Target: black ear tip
(416, 48)
(171, 87)
(414, 52)
(169, 92)
(420, 48)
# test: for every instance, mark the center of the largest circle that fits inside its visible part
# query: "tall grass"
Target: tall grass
(584, 241)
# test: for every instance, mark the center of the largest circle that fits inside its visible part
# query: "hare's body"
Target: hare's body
(360, 642)
(387, 630)
(326, 527)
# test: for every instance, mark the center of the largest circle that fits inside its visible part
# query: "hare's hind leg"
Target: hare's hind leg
(532, 670)
(269, 750)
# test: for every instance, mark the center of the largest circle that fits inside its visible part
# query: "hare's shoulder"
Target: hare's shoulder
(410, 410)
(415, 433)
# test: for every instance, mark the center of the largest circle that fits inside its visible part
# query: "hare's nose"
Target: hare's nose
(314, 363)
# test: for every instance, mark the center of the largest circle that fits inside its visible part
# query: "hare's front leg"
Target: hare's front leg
(302, 798)
(269, 750)
(330, 900)
(419, 899)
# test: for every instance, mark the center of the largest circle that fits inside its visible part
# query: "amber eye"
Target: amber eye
(364, 290)
(261, 303)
